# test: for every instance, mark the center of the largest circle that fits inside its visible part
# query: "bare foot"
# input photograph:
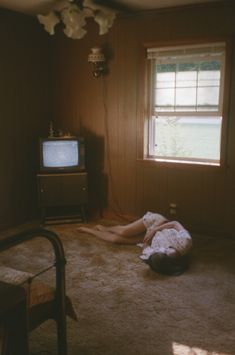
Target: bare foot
(99, 227)
(85, 229)
(110, 229)
(89, 230)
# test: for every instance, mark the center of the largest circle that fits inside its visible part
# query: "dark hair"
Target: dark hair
(173, 264)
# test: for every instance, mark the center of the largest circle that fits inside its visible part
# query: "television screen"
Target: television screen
(60, 154)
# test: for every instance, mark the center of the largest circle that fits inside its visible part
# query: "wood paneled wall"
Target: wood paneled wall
(25, 99)
(108, 112)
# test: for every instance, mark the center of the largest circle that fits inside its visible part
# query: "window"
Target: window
(185, 99)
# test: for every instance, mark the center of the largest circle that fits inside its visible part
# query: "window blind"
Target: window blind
(215, 51)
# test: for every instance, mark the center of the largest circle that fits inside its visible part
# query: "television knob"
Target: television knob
(84, 189)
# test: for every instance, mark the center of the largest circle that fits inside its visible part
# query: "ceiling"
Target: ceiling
(34, 7)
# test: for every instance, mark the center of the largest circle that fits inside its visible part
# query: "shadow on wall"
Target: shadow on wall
(97, 178)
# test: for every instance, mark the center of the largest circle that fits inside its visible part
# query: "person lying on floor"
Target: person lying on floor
(165, 245)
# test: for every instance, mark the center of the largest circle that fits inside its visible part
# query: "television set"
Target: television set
(62, 154)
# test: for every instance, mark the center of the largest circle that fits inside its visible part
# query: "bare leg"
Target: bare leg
(112, 237)
(130, 230)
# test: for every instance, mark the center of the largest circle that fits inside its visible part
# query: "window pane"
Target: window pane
(186, 99)
(209, 78)
(187, 86)
(165, 98)
(208, 98)
(186, 79)
(165, 80)
(166, 68)
(191, 137)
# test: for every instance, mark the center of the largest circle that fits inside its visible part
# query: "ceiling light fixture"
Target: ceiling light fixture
(73, 14)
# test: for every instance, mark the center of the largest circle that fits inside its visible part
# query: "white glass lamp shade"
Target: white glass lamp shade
(49, 22)
(74, 20)
(105, 21)
(96, 55)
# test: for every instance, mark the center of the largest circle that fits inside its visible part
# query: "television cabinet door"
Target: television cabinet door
(61, 195)
(49, 189)
(62, 189)
(74, 189)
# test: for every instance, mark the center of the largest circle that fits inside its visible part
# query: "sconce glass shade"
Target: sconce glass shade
(97, 59)
(96, 55)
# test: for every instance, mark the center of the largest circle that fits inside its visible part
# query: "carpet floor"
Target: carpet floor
(124, 308)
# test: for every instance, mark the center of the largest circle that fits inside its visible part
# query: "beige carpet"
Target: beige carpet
(126, 309)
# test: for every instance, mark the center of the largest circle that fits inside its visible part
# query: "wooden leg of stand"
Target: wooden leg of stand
(83, 212)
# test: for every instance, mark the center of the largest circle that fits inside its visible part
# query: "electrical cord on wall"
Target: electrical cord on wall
(117, 211)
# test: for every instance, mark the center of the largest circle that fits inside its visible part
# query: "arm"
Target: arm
(172, 224)
(168, 225)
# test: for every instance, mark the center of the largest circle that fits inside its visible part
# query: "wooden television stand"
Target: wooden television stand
(62, 197)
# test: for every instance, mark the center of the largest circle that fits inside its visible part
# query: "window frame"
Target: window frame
(148, 99)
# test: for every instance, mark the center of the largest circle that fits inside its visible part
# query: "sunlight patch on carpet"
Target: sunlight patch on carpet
(180, 349)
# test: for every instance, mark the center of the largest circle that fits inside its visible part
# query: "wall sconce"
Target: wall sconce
(97, 60)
